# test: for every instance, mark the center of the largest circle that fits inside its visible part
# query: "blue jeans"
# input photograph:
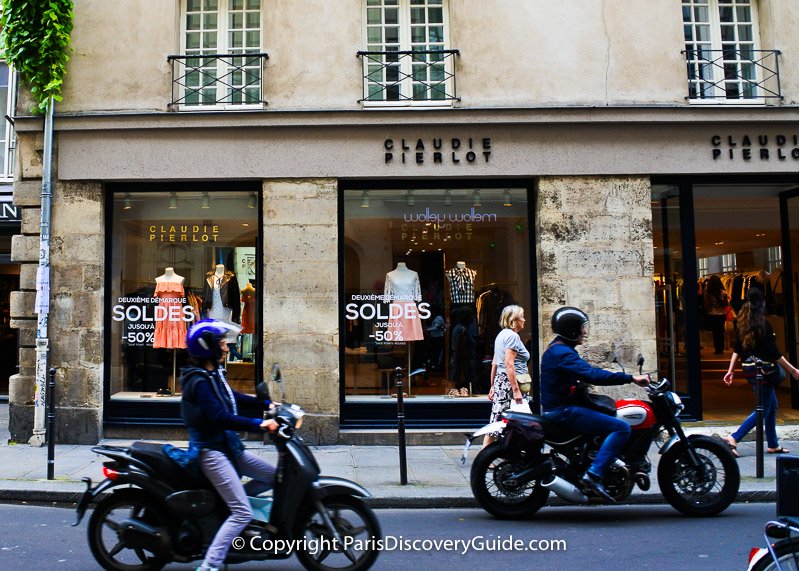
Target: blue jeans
(769, 418)
(587, 421)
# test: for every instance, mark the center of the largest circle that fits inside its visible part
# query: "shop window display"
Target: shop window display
(426, 275)
(176, 258)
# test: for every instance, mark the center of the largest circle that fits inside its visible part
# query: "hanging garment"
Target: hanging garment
(461, 284)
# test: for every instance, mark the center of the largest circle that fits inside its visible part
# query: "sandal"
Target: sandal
(733, 447)
(777, 450)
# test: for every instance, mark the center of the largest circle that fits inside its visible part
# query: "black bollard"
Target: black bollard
(51, 425)
(759, 378)
(401, 427)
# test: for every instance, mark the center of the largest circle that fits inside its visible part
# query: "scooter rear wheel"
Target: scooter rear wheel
(356, 525)
(496, 491)
(105, 534)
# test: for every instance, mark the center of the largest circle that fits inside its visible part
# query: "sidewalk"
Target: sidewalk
(436, 478)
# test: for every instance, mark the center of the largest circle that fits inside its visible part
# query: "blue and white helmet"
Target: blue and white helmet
(202, 339)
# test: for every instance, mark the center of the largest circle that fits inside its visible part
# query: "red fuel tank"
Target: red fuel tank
(637, 413)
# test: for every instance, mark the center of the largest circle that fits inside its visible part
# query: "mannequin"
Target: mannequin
(170, 332)
(403, 290)
(248, 309)
(221, 296)
(461, 283)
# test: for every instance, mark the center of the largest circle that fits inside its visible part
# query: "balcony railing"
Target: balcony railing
(409, 77)
(217, 80)
(733, 74)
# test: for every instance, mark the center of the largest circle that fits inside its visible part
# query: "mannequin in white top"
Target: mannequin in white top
(170, 276)
(219, 271)
(402, 284)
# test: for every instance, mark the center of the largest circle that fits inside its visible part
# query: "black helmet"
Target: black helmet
(567, 322)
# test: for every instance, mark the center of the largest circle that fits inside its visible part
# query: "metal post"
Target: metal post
(42, 302)
(51, 425)
(401, 427)
(759, 426)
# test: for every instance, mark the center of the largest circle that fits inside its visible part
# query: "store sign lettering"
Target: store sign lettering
(441, 217)
(392, 311)
(184, 233)
(438, 150)
(135, 313)
(762, 147)
(437, 232)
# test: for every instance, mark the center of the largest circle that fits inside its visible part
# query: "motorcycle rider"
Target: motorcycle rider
(561, 365)
(210, 410)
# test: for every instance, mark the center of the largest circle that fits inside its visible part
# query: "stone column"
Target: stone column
(595, 252)
(300, 320)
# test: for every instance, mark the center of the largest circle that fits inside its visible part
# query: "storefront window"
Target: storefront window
(426, 274)
(177, 257)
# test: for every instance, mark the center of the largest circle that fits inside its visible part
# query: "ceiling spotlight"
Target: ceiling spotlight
(253, 201)
(206, 201)
(365, 199)
(173, 200)
(448, 197)
(506, 198)
(477, 201)
(410, 199)
(127, 204)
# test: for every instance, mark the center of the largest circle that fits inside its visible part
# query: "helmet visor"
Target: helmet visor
(585, 330)
(232, 331)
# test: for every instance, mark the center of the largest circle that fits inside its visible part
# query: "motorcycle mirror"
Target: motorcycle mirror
(640, 363)
(612, 357)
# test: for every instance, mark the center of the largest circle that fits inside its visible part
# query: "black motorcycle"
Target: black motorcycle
(159, 512)
(697, 474)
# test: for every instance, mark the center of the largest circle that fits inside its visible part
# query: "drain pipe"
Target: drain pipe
(42, 304)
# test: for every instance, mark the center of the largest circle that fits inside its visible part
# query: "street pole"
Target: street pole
(401, 427)
(759, 377)
(43, 286)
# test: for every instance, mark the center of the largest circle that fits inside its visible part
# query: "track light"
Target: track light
(410, 199)
(253, 201)
(365, 199)
(173, 200)
(127, 204)
(448, 197)
(506, 198)
(477, 201)
(206, 201)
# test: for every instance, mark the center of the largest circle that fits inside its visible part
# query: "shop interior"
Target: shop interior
(427, 272)
(739, 244)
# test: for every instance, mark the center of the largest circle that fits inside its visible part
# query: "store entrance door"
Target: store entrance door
(788, 290)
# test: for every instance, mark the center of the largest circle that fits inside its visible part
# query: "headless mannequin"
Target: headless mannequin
(460, 265)
(170, 276)
(219, 273)
(248, 288)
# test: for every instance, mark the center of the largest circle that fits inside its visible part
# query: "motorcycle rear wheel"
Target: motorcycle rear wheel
(787, 552)
(107, 546)
(496, 494)
(355, 523)
(704, 492)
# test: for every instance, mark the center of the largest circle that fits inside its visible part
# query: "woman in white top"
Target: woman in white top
(510, 360)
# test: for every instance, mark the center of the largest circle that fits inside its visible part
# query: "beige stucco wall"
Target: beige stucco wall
(595, 252)
(513, 53)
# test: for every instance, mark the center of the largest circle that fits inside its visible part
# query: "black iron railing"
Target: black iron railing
(409, 76)
(217, 80)
(733, 74)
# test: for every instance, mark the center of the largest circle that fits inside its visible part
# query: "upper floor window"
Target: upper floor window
(721, 51)
(8, 143)
(222, 63)
(406, 60)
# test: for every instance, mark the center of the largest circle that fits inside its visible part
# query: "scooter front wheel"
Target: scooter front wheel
(109, 539)
(496, 490)
(359, 536)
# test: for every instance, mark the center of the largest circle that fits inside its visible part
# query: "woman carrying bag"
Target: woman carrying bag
(755, 338)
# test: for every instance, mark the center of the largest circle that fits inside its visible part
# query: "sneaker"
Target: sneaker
(593, 483)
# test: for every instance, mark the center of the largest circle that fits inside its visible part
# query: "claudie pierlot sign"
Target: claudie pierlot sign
(755, 147)
(437, 150)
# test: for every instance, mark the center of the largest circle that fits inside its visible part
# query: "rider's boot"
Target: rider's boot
(593, 483)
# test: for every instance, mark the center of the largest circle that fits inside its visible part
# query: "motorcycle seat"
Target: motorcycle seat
(152, 454)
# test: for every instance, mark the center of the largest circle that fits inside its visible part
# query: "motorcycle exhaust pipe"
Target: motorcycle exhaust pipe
(565, 490)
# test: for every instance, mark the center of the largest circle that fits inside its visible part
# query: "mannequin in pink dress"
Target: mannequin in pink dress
(403, 290)
(170, 333)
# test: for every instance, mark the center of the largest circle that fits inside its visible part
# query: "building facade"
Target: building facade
(372, 200)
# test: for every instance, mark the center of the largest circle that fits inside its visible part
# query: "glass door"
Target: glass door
(788, 290)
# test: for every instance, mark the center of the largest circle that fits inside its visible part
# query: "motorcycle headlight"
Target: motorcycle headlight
(675, 402)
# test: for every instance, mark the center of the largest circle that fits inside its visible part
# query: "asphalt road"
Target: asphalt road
(596, 538)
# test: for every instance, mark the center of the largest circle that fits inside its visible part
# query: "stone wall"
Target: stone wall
(595, 252)
(76, 312)
(300, 245)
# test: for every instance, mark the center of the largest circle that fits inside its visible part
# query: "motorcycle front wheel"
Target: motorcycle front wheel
(357, 528)
(495, 489)
(705, 489)
(787, 552)
(106, 533)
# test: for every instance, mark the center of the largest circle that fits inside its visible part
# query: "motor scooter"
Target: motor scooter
(151, 511)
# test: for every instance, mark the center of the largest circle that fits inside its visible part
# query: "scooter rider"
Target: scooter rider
(561, 365)
(209, 407)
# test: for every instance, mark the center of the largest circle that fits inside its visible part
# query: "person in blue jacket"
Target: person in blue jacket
(561, 365)
(210, 409)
